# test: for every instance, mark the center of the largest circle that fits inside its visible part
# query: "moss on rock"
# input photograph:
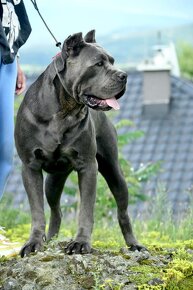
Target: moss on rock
(162, 268)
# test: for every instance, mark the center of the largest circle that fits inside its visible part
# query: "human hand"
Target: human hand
(21, 80)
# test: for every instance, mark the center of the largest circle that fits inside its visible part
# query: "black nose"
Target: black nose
(122, 76)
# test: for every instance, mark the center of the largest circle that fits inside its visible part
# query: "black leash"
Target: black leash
(58, 44)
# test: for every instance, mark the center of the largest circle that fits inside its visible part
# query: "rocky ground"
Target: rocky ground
(52, 269)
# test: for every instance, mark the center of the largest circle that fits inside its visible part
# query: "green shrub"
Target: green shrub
(185, 56)
(11, 217)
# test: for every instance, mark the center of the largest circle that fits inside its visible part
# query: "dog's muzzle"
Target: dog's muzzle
(97, 103)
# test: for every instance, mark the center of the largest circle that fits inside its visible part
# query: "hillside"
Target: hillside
(126, 46)
(134, 47)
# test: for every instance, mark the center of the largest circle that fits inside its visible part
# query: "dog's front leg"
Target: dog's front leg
(87, 177)
(33, 183)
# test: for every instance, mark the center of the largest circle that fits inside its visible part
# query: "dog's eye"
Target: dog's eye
(100, 63)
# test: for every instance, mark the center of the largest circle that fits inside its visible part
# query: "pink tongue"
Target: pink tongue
(113, 103)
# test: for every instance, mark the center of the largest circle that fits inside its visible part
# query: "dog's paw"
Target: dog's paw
(77, 247)
(31, 246)
(137, 247)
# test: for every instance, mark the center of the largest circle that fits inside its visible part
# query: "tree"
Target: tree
(185, 56)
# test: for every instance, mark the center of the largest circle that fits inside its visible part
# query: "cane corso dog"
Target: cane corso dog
(61, 127)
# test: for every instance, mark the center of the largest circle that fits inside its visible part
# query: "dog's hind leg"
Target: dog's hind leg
(33, 183)
(53, 188)
(111, 171)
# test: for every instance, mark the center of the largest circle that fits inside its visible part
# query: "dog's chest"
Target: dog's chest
(59, 160)
(66, 145)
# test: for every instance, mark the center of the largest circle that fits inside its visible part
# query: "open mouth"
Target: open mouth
(102, 104)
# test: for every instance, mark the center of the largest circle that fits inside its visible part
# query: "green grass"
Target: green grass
(158, 223)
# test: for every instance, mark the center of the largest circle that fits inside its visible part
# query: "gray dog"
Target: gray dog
(61, 127)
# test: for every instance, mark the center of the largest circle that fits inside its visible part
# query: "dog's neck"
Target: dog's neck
(67, 103)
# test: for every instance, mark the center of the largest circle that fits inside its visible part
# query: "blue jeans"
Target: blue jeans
(8, 74)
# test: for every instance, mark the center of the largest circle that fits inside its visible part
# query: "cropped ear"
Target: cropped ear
(73, 44)
(90, 36)
(60, 61)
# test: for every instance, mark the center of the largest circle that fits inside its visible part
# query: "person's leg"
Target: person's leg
(8, 75)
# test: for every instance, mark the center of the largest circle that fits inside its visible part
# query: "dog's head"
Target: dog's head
(88, 73)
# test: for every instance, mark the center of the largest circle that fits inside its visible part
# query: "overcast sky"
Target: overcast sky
(66, 17)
